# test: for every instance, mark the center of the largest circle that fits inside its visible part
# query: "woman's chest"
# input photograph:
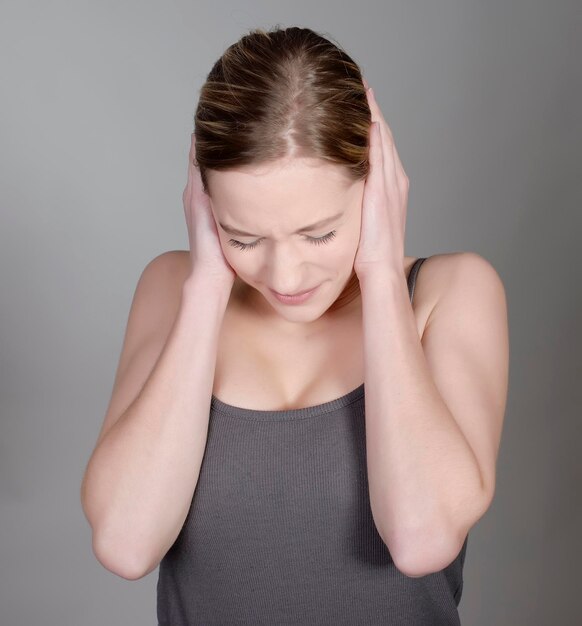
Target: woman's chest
(257, 369)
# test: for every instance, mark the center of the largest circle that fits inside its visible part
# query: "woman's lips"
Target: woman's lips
(290, 295)
(297, 298)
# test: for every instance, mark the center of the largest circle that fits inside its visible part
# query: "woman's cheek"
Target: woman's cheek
(241, 261)
(233, 258)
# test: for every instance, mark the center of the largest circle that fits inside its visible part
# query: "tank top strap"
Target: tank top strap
(413, 274)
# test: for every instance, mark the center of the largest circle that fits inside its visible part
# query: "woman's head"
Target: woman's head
(281, 133)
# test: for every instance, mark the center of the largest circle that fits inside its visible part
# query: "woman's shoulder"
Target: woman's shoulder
(177, 260)
(440, 270)
(159, 289)
(452, 273)
(168, 270)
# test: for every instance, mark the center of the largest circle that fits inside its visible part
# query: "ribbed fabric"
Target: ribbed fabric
(280, 530)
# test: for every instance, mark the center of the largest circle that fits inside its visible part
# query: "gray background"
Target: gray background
(97, 101)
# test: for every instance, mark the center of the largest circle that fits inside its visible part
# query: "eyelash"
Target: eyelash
(314, 240)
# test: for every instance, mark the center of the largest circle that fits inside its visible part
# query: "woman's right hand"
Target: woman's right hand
(206, 256)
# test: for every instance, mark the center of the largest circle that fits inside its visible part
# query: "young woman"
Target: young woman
(239, 451)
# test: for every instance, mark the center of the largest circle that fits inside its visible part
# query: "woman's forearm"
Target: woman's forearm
(424, 479)
(140, 479)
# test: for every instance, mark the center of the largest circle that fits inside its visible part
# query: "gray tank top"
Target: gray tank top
(280, 530)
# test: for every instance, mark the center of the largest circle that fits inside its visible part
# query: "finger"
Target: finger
(200, 196)
(377, 114)
(192, 155)
(401, 174)
(398, 167)
(375, 157)
(190, 158)
(389, 164)
(188, 190)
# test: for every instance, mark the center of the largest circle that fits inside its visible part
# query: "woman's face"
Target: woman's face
(289, 227)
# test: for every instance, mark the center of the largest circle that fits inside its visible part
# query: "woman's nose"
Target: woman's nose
(286, 272)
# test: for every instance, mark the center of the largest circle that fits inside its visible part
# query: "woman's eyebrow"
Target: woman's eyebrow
(241, 233)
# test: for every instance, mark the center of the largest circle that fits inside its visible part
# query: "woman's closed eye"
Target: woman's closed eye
(314, 240)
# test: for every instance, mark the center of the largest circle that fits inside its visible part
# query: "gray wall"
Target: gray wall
(97, 100)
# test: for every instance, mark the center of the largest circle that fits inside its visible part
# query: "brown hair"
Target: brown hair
(281, 93)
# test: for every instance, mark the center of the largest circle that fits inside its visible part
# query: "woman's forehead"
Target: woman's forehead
(289, 169)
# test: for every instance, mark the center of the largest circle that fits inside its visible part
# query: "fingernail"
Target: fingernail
(365, 82)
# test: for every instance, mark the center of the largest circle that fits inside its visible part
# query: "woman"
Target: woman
(239, 451)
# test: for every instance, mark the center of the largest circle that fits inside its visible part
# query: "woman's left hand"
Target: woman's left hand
(384, 203)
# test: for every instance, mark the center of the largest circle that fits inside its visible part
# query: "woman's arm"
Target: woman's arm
(434, 409)
(140, 479)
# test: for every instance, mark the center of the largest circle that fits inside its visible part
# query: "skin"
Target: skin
(272, 203)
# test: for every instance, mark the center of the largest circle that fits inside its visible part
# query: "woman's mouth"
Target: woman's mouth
(297, 298)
